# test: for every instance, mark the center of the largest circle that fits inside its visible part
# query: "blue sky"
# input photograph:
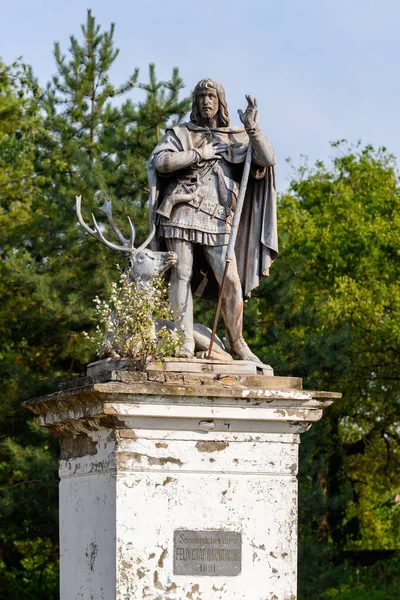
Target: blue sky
(321, 70)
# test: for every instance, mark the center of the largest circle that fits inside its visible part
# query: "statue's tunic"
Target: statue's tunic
(205, 219)
(195, 200)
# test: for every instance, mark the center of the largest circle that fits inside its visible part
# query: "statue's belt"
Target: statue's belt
(198, 201)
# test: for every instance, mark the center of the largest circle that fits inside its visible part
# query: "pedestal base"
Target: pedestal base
(179, 488)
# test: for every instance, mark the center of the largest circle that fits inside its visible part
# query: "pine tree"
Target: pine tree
(28, 488)
(99, 149)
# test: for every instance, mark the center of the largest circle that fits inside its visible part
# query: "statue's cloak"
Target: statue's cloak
(257, 240)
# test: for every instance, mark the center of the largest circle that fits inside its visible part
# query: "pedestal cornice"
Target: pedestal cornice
(121, 399)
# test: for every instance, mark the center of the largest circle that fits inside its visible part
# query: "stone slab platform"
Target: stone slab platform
(183, 365)
(188, 372)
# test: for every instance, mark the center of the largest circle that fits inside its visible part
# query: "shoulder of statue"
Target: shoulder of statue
(182, 130)
(180, 126)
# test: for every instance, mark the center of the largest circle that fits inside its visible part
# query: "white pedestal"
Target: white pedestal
(178, 486)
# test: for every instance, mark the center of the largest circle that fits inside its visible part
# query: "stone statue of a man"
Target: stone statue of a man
(194, 175)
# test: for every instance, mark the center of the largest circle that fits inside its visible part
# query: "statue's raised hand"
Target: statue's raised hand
(249, 117)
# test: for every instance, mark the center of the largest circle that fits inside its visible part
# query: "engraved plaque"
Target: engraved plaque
(212, 553)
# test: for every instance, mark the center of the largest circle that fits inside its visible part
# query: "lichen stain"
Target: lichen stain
(194, 590)
(262, 546)
(293, 468)
(110, 422)
(211, 460)
(157, 582)
(273, 555)
(130, 486)
(164, 554)
(136, 456)
(77, 446)
(155, 460)
(215, 589)
(152, 555)
(211, 446)
(161, 445)
(168, 480)
(164, 460)
(91, 554)
(127, 434)
(140, 573)
(123, 576)
(292, 413)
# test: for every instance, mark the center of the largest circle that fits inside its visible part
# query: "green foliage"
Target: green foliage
(29, 517)
(126, 322)
(330, 314)
(326, 575)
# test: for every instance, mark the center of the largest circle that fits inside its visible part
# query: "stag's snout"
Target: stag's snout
(145, 264)
(170, 259)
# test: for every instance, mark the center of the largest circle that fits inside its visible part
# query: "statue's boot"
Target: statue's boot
(243, 351)
(187, 350)
(232, 301)
(232, 311)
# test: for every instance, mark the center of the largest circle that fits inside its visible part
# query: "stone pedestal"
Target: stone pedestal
(179, 485)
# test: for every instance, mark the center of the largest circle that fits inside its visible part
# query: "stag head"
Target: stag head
(142, 263)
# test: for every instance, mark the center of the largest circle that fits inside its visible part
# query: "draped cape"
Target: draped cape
(257, 240)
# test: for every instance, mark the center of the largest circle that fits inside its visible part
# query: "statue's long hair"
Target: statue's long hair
(223, 115)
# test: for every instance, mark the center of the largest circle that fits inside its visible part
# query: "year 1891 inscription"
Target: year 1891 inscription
(207, 553)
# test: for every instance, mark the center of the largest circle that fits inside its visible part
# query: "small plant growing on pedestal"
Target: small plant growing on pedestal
(131, 323)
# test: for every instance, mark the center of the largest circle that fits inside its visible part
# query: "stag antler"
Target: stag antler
(97, 234)
(150, 237)
(107, 210)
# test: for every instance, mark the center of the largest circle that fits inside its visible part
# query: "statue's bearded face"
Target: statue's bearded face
(208, 103)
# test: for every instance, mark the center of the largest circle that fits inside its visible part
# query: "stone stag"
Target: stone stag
(142, 265)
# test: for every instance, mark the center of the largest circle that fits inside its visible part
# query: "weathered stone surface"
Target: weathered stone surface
(196, 365)
(109, 364)
(187, 404)
(143, 459)
(182, 365)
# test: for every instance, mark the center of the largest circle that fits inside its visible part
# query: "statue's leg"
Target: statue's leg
(232, 301)
(180, 293)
